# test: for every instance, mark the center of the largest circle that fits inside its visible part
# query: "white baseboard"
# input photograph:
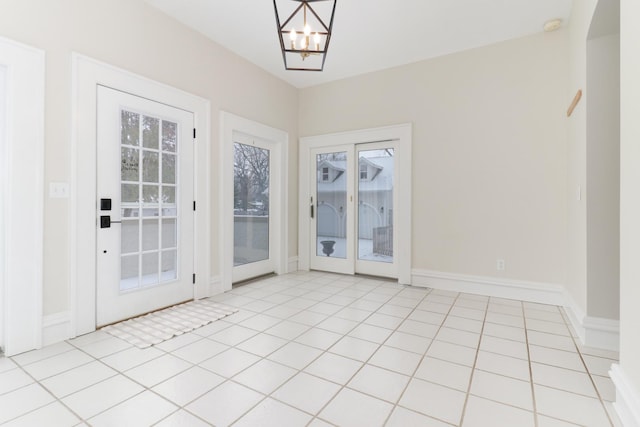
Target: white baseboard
(576, 316)
(596, 332)
(56, 328)
(627, 402)
(491, 286)
(602, 333)
(292, 265)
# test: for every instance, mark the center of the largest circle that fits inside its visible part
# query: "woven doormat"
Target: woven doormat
(159, 326)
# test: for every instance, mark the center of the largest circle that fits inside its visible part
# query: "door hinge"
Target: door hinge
(194, 278)
(194, 133)
(194, 205)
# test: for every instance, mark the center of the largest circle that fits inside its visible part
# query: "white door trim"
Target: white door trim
(230, 123)
(22, 178)
(403, 134)
(87, 75)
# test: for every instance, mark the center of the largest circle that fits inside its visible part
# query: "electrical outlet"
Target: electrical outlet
(500, 265)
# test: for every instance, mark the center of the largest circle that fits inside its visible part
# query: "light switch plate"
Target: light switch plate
(58, 190)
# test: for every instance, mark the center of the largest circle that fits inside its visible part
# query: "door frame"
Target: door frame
(230, 123)
(22, 192)
(87, 74)
(401, 133)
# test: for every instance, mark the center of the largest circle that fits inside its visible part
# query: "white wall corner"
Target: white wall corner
(542, 293)
(56, 328)
(595, 332)
(627, 404)
(292, 264)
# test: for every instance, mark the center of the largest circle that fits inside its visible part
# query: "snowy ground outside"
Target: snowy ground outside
(365, 249)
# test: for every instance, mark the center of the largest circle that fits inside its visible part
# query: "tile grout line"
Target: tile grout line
(531, 383)
(586, 368)
(343, 386)
(475, 362)
(412, 377)
(312, 361)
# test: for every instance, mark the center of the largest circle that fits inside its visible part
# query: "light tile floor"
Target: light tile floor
(318, 349)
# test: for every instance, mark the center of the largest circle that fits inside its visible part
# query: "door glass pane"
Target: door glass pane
(129, 272)
(130, 128)
(130, 243)
(146, 203)
(150, 168)
(251, 204)
(168, 168)
(169, 263)
(169, 229)
(150, 234)
(150, 132)
(129, 170)
(150, 269)
(375, 205)
(331, 206)
(169, 136)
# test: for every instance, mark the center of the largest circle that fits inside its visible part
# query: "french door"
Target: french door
(253, 174)
(145, 210)
(351, 208)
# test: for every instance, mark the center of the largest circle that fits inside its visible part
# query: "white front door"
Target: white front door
(145, 206)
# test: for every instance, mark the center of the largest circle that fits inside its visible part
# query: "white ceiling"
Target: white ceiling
(368, 35)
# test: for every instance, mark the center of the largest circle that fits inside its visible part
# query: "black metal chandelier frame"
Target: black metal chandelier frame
(305, 5)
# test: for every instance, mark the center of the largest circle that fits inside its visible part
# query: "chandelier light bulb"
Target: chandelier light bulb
(303, 43)
(293, 36)
(307, 30)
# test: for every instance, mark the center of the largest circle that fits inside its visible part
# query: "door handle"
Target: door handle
(311, 211)
(105, 221)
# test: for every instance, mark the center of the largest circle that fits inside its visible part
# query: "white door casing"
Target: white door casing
(401, 135)
(88, 74)
(155, 227)
(231, 124)
(22, 181)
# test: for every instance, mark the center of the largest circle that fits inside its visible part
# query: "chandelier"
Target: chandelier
(305, 33)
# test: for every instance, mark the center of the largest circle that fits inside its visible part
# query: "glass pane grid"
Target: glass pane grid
(149, 249)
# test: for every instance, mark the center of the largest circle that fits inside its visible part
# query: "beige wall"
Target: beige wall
(603, 176)
(630, 192)
(131, 35)
(489, 152)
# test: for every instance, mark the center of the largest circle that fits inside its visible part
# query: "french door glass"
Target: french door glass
(375, 205)
(251, 204)
(331, 195)
(352, 209)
